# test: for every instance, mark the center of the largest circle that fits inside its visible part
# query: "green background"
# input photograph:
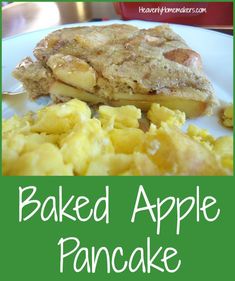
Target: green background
(29, 250)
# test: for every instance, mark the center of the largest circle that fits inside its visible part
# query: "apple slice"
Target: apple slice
(73, 71)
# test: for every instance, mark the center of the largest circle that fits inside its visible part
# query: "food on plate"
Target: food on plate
(158, 114)
(223, 147)
(71, 139)
(119, 65)
(119, 117)
(227, 116)
(201, 135)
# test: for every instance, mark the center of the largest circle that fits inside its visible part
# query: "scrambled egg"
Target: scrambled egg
(227, 116)
(119, 117)
(158, 114)
(64, 139)
(201, 135)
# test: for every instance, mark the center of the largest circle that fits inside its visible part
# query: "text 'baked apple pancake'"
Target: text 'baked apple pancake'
(119, 65)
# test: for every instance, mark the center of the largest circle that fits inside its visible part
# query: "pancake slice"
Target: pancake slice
(119, 65)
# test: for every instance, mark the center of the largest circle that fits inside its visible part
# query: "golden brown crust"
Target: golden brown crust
(130, 61)
(36, 78)
(186, 57)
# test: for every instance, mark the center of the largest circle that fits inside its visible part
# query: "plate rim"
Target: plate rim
(57, 27)
(217, 35)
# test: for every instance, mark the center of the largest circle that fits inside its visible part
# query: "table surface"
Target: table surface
(21, 17)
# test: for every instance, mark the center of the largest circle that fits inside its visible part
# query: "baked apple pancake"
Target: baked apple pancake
(119, 65)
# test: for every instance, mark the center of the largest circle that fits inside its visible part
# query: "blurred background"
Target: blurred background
(21, 17)
(29, 16)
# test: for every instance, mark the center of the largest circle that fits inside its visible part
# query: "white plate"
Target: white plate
(216, 50)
